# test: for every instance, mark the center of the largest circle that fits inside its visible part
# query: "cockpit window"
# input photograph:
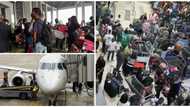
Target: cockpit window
(50, 66)
(53, 66)
(61, 66)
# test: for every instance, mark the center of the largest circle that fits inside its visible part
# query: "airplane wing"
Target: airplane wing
(22, 70)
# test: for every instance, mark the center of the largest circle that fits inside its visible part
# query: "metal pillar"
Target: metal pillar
(14, 10)
(76, 10)
(114, 10)
(93, 10)
(83, 11)
(57, 13)
(46, 10)
(52, 16)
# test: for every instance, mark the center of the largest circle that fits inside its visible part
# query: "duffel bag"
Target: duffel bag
(111, 87)
(58, 34)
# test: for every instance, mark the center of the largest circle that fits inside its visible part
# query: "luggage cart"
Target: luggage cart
(22, 92)
(138, 89)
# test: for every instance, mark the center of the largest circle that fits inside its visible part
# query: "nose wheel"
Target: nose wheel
(52, 102)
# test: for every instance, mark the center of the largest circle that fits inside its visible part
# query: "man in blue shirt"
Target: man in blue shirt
(36, 31)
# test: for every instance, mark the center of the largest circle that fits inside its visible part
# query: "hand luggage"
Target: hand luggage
(112, 87)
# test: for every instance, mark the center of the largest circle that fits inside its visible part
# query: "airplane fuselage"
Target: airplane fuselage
(51, 76)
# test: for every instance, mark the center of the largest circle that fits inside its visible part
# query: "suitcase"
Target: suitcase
(112, 87)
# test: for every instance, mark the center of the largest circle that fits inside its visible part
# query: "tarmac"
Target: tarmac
(71, 100)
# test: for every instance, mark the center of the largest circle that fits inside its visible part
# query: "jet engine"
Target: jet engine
(18, 80)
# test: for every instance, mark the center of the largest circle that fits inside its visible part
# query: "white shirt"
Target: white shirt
(31, 27)
(108, 39)
(109, 28)
(113, 46)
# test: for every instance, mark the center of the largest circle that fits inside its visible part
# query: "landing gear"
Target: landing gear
(49, 104)
(52, 102)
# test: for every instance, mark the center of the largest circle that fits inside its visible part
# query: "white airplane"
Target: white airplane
(51, 75)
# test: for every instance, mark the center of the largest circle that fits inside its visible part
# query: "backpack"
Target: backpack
(45, 35)
(112, 87)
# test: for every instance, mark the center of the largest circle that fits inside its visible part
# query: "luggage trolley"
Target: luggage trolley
(138, 88)
(22, 92)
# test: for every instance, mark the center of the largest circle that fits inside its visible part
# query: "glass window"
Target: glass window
(54, 16)
(64, 14)
(49, 16)
(79, 17)
(88, 13)
(53, 66)
(12, 18)
(61, 66)
(50, 66)
(43, 66)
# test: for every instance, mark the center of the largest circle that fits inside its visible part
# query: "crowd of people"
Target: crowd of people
(154, 50)
(39, 36)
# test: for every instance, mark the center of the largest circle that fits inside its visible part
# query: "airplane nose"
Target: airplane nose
(49, 87)
(51, 84)
(49, 90)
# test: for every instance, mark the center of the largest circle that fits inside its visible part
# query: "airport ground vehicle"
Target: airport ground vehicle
(18, 90)
(22, 92)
